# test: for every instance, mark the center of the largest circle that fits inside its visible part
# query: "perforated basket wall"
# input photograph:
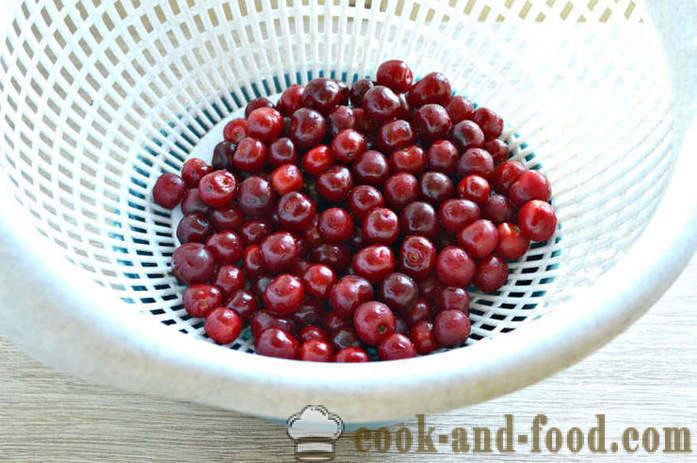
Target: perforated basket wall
(97, 99)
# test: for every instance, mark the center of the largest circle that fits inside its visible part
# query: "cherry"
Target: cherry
(309, 313)
(200, 299)
(475, 161)
(454, 267)
(252, 263)
(260, 102)
(459, 108)
(442, 156)
(217, 188)
(398, 291)
(193, 263)
(262, 320)
(417, 256)
(433, 88)
(229, 278)
(312, 332)
(278, 251)
(454, 214)
(410, 159)
(250, 154)
(334, 322)
(381, 104)
(194, 228)
(265, 124)
(223, 325)
(322, 94)
(337, 256)
(351, 354)
(253, 231)
(395, 347)
(347, 145)
(348, 293)
(318, 279)
(193, 169)
(341, 118)
(479, 239)
(395, 135)
(498, 209)
(235, 130)
(475, 188)
(420, 311)
(451, 328)
(286, 178)
(335, 183)
(284, 294)
(229, 217)
(512, 244)
(491, 273)
(192, 203)
(281, 151)
(436, 187)
(467, 134)
(373, 262)
(316, 351)
(295, 211)
(419, 218)
(317, 159)
(226, 247)
(358, 90)
(335, 225)
(374, 322)
(344, 338)
(243, 302)
(275, 342)
(291, 100)
(401, 189)
(423, 338)
(222, 156)
(432, 122)
(169, 190)
(307, 128)
(371, 167)
(362, 199)
(537, 220)
(255, 196)
(506, 175)
(530, 185)
(381, 225)
(498, 149)
(490, 122)
(396, 75)
(453, 298)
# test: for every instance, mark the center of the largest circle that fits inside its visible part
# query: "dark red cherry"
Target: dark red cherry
(307, 128)
(337, 256)
(394, 135)
(348, 293)
(335, 183)
(235, 130)
(453, 298)
(398, 291)
(322, 94)
(454, 267)
(491, 274)
(195, 228)
(467, 134)
(436, 187)
(291, 100)
(432, 122)
(419, 218)
(475, 161)
(490, 122)
(296, 211)
(371, 168)
(459, 108)
(396, 75)
(341, 118)
(381, 104)
(417, 256)
(442, 156)
(335, 225)
(257, 103)
(433, 88)
(253, 231)
(282, 151)
(498, 209)
(192, 203)
(250, 154)
(265, 124)
(193, 170)
(381, 225)
(193, 263)
(454, 214)
(226, 247)
(347, 145)
(410, 159)
(362, 199)
(401, 189)
(358, 89)
(256, 196)
(374, 262)
(278, 251)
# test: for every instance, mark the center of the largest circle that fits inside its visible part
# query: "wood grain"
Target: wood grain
(645, 377)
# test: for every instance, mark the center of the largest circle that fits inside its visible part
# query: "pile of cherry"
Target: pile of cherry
(332, 229)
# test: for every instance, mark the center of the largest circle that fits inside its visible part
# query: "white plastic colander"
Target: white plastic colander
(98, 98)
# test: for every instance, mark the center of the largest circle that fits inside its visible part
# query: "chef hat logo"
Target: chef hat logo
(314, 431)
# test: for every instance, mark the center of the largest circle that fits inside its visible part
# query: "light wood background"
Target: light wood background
(645, 377)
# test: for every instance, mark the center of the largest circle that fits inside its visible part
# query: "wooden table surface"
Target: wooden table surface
(646, 377)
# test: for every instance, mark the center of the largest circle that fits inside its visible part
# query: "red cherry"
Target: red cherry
(243, 302)
(491, 274)
(222, 156)
(371, 167)
(423, 338)
(420, 311)
(229, 217)
(169, 190)
(347, 145)
(252, 262)
(498, 209)
(335, 225)
(291, 100)
(200, 299)
(335, 183)
(262, 320)
(343, 338)
(476, 161)
(287, 178)
(307, 128)
(479, 239)
(193, 170)
(381, 104)
(358, 90)
(432, 122)
(453, 298)
(316, 351)
(322, 94)
(537, 220)
(381, 225)
(296, 211)
(257, 103)
(436, 187)
(226, 247)
(442, 156)
(256, 196)
(490, 122)
(309, 313)
(374, 322)
(337, 256)
(454, 267)
(278, 251)
(396, 75)
(459, 108)
(530, 185)
(235, 130)
(341, 118)
(274, 342)
(417, 256)
(362, 199)
(467, 134)
(229, 278)
(410, 159)
(312, 332)
(399, 292)
(282, 151)
(498, 149)
(318, 279)
(266, 124)
(253, 231)
(348, 293)
(194, 228)
(250, 154)
(433, 88)
(451, 328)
(474, 188)
(284, 294)
(512, 244)
(223, 325)
(374, 262)
(317, 159)
(395, 347)
(429, 287)
(351, 355)
(193, 204)
(454, 214)
(506, 174)
(419, 218)
(400, 189)
(193, 263)
(217, 188)
(394, 135)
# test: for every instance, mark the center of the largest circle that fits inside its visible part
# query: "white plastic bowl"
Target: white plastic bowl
(96, 101)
